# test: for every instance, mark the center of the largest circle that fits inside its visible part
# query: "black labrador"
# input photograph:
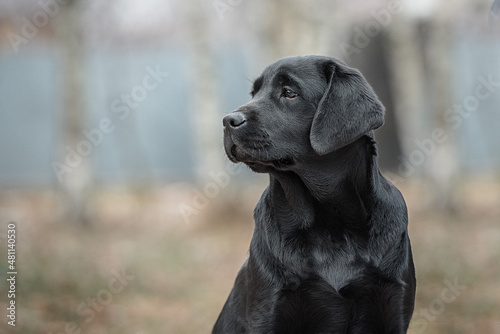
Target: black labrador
(330, 252)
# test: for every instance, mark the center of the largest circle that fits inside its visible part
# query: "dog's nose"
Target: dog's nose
(234, 120)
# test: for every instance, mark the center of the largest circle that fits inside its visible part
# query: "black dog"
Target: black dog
(330, 252)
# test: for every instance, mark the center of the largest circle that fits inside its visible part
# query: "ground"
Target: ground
(163, 260)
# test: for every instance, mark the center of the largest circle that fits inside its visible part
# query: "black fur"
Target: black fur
(330, 251)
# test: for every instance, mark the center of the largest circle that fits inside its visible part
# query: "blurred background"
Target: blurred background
(129, 217)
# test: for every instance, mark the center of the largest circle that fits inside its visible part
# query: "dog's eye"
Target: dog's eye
(288, 93)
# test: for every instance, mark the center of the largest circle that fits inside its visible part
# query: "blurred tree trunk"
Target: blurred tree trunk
(406, 68)
(421, 67)
(205, 116)
(443, 167)
(74, 185)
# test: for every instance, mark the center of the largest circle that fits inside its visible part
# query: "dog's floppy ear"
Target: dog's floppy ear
(348, 109)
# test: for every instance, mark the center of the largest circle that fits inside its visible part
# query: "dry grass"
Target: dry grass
(181, 272)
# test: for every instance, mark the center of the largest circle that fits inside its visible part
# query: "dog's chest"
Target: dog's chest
(336, 262)
(314, 307)
(338, 265)
(327, 250)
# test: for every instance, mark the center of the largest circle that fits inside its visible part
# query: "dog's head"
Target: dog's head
(301, 107)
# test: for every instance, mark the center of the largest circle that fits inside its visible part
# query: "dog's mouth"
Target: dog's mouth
(256, 159)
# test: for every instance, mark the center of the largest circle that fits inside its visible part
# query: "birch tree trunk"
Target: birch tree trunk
(74, 185)
(205, 116)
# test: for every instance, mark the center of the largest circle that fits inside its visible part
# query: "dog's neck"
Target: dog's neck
(332, 185)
